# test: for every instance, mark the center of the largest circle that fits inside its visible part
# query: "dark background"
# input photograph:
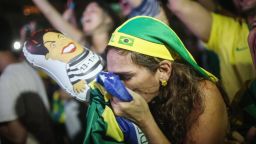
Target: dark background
(16, 12)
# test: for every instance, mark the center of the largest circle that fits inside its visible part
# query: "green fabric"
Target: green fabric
(153, 30)
(251, 109)
(95, 126)
(249, 99)
(243, 115)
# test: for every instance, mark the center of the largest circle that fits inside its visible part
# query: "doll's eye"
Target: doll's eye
(53, 45)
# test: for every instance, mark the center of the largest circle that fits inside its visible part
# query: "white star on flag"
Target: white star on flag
(112, 78)
(102, 77)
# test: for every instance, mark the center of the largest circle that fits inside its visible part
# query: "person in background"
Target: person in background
(153, 8)
(24, 105)
(98, 20)
(252, 39)
(224, 35)
(69, 14)
(243, 116)
(174, 100)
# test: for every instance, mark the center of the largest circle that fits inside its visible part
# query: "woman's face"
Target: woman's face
(245, 5)
(93, 17)
(135, 77)
(125, 6)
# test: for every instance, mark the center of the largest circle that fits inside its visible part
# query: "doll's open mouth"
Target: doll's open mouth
(69, 48)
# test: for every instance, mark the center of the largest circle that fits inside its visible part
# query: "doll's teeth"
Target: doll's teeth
(69, 48)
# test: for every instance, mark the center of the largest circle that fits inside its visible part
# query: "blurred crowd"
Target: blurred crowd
(34, 109)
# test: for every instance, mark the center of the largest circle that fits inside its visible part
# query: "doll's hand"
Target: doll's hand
(79, 86)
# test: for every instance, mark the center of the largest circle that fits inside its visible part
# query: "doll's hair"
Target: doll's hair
(35, 44)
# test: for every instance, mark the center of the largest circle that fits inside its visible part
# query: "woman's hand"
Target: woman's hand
(136, 110)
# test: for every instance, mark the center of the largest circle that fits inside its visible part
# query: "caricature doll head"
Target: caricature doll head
(66, 61)
(54, 45)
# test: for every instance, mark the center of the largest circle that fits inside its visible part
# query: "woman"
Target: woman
(174, 100)
(153, 8)
(98, 21)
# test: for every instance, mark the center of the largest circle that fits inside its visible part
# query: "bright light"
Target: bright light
(16, 45)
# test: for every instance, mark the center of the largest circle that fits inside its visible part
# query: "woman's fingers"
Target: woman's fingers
(118, 106)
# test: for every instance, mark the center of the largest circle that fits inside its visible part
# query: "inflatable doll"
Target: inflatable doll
(78, 70)
(70, 64)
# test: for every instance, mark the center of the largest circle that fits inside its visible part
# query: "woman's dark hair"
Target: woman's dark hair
(173, 107)
(106, 7)
(35, 44)
(228, 5)
(6, 34)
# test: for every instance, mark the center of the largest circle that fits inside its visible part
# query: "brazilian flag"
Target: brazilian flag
(102, 126)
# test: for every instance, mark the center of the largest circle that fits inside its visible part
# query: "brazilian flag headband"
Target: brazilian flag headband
(149, 36)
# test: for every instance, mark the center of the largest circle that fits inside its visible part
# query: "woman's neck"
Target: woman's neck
(99, 42)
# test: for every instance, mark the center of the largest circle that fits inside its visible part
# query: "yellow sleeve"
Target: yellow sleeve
(228, 38)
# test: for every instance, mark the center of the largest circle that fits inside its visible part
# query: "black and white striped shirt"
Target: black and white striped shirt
(85, 66)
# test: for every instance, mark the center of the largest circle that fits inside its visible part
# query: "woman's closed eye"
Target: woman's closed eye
(125, 77)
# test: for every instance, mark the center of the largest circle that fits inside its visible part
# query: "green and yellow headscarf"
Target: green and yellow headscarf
(150, 36)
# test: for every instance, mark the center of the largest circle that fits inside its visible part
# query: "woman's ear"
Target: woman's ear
(165, 69)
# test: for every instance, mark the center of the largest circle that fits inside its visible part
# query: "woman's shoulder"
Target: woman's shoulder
(211, 126)
(213, 101)
(212, 97)
(214, 104)
(208, 88)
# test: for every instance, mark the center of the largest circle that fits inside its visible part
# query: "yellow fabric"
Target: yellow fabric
(141, 46)
(148, 48)
(56, 107)
(113, 129)
(135, 43)
(228, 39)
(106, 95)
(213, 78)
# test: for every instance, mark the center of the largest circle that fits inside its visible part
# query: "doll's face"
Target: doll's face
(60, 47)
